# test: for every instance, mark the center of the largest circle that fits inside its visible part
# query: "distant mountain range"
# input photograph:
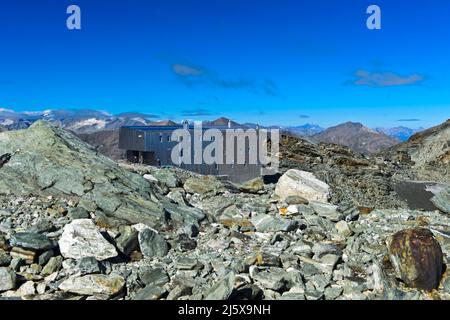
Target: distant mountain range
(79, 121)
(354, 135)
(401, 133)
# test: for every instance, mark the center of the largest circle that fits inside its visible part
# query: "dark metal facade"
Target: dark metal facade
(153, 145)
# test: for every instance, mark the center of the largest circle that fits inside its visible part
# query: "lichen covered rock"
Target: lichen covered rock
(417, 258)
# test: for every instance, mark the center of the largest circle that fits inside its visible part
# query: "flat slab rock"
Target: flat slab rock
(81, 239)
(30, 240)
(93, 284)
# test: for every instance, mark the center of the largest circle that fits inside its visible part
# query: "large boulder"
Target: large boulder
(81, 239)
(303, 184)
(417, 258)
(47, 160)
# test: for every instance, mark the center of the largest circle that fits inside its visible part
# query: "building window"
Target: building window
(160, 138)
(158, 162)
(168, 138)
(216, 166)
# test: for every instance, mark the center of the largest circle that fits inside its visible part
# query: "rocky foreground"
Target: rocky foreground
(76, 225)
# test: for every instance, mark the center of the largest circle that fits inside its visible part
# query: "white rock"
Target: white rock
(81, 239)
(149, 177)
(27, 289)
(7, 279)
(303, 184)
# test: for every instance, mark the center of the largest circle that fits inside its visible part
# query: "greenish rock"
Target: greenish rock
(186, 263)
(128, 241)
(49, 160)
(215, 206)
(53, 265)
(331, 293)
(296, 199)
(183, 215)
(222, 289)
(87, 265)
(45, 257)
(327, 211)
(154, 277)
(5, 258)
(268, 223)
(203, 185)
(152, 244)
(167, 177)
(252, 186)
(273, 278)
(78, 213)
(33, 241)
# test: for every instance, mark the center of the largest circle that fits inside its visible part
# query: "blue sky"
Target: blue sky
(273, 62)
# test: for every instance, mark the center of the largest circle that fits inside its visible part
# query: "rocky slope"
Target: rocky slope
(426, 153)
(76, 225)
(356, 136)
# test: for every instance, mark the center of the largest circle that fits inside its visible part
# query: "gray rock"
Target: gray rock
(155, 277)
(178, 292)
(327, 211)
(186, 263)
(252, 186)
(7, 279)
(45, 257)
(333, 292)
(274, 278)
(183, 215)
(128, 241)
(150, 293)
(87, 265)
(268, 223)
(321, 248)
(33, 241)
(295, 199)
(81, 239)
(222, 289)
(152, 244)
(78, 213)
(93, 284)
(442, 200)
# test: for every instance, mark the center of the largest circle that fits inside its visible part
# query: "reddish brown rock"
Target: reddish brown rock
(417, 258)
